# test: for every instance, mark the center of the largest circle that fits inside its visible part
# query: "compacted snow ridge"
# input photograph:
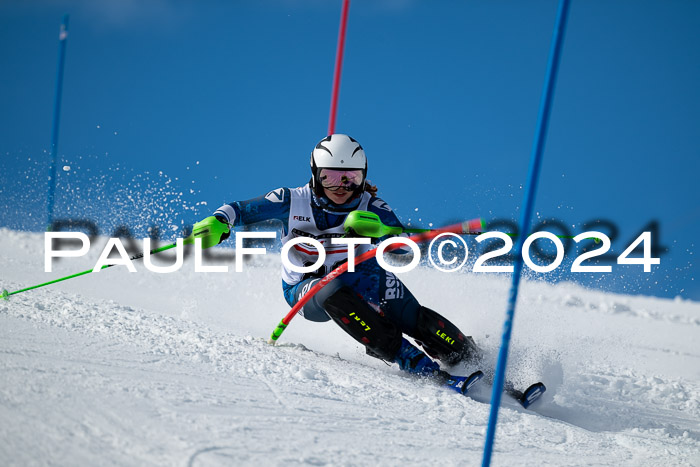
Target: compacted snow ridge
(119, 368)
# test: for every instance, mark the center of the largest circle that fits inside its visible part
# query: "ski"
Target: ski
(527, 397)
(463, 384)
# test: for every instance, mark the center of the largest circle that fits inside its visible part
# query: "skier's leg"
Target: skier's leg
(381, 337)
(386, 292)
(439, 337)
(365, 325)
(313, 310)
(396, 311)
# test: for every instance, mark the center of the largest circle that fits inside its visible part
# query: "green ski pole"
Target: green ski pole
(6, 294)
(210, 230)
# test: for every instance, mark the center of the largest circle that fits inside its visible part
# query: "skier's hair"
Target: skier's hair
(371, 189)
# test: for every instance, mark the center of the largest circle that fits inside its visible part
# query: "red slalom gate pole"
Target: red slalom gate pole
(338, 66)
(466, 227)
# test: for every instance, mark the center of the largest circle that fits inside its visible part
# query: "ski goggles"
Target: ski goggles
(334, 179)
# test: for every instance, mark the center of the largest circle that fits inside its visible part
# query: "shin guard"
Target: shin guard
(443, 340)
(381, 337)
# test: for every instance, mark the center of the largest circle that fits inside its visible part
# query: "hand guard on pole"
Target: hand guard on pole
(368, 224)
(212, 231)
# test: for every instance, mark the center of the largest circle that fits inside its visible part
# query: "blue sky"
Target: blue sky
(168, 105)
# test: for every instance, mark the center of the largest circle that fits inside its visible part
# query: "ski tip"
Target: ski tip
(471, 381)
(532, 394)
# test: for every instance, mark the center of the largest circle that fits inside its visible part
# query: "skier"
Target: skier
(371, 304)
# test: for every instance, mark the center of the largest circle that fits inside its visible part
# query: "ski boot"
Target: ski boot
(413, 360)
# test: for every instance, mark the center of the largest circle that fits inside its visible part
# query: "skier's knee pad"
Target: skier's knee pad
(442, 339)
(381, 337)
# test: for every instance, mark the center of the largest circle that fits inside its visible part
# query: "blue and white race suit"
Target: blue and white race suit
(302, 217)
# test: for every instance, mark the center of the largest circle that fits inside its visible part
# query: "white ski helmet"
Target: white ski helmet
(339, 152)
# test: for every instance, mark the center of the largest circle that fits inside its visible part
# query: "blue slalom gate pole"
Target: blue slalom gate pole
(62, 36)
(529, 201)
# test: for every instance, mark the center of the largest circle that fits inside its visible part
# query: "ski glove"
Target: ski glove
(212, 231)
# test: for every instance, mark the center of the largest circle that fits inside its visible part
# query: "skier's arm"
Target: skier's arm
(389, 218)
(274, 205)
(216, 228)
(384, 211)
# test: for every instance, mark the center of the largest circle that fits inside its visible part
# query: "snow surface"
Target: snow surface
(119, 368)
